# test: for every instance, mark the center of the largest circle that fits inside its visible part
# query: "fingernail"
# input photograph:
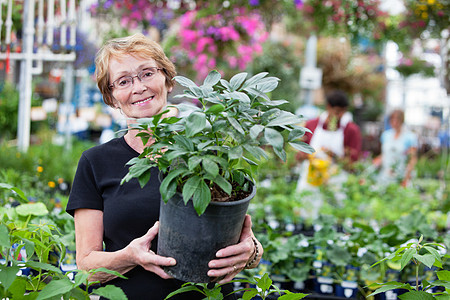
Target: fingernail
(173, 262)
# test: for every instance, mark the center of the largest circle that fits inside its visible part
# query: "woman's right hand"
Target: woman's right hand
(140, 252)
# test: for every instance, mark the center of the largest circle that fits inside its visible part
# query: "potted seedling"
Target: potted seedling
(207, 157)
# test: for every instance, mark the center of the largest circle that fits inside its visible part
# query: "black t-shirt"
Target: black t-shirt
(128, 212)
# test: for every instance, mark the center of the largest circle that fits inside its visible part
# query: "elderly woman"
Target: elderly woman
(116, 225)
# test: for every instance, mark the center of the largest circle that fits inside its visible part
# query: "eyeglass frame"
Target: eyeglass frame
(135, 76)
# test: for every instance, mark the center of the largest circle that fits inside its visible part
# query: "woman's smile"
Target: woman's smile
(144, 101)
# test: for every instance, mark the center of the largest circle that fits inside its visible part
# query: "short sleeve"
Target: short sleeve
(412, 141)
(84, 192)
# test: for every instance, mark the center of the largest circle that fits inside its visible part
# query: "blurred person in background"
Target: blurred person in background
(337, 141)
(398, 151)
(335, 137)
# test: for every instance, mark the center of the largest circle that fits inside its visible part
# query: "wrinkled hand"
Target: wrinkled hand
(233, 259)
(139, 250)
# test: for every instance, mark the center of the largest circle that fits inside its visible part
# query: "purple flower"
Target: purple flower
(253, 2)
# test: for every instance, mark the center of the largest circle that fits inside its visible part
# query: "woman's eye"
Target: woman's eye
(123, 81)
(147, 74)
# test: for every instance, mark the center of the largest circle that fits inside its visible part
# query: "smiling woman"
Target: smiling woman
(135, 76)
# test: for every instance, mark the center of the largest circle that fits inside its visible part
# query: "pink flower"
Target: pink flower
(232, 61)
(212, 63)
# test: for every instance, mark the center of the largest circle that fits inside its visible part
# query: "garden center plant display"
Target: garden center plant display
(208, 157)
(419, 254)
(32, 253)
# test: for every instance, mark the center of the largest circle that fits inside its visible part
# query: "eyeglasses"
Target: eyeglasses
(125, 82)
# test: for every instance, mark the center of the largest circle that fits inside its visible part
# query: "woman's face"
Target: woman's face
(396, 121)
(141, 99)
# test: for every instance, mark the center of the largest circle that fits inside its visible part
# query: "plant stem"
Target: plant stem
(417, 277)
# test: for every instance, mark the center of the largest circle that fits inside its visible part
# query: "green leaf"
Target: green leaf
(444, 283)
(237, 80)
(406, 257)
(433, 252)
(215, 109)
(274, 138)
(242, 97)
(292, 296)
(184, 81)
(285, 119)
(110, 292)
(183, 290)
(443, 275)
(8, 275)
(201, 198)
(235, 152)
(184, 142)
(223, 184)
(56, 287)
(213, 78)
(248, 295)
(81, 277)
(210, 166)
(18, 288)
(302, 146)
(387, 287)
(255, 130)
(264, 282)
(189, 187)
(257, 93)
(33, 209)
(253, 81)
(257, 152)
(168, 179)
(18, 191)
(43, 266)
(193, 162)
(195, 123)
(236, 125)
(416, 295)
(226, 84)
(427, 259)
(268, 84)
(4, 236)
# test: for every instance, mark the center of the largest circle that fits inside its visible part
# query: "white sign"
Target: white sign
(310, 78)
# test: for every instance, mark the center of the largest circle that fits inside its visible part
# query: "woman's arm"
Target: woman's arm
(90, 254)
(233, 259)
(412, 153)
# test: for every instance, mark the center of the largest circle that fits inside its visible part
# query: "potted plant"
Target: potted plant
(208, 157)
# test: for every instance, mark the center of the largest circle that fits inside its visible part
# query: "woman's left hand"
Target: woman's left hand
(233, 259)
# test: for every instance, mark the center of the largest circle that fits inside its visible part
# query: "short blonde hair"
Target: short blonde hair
(136, 45)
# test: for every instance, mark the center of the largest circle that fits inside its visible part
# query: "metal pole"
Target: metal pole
(26, 65)
(310, 61)
(68, 92)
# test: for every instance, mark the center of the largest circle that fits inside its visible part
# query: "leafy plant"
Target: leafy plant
(207, 152)
(32, 248)
(257, 286)
(426, 254)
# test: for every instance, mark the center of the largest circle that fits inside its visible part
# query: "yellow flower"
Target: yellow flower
(40, 169)
(431, 2)
(51, 184)
(424, 15)
(60, 180)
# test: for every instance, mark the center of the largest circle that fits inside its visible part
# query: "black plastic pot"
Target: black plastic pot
(194, 240)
